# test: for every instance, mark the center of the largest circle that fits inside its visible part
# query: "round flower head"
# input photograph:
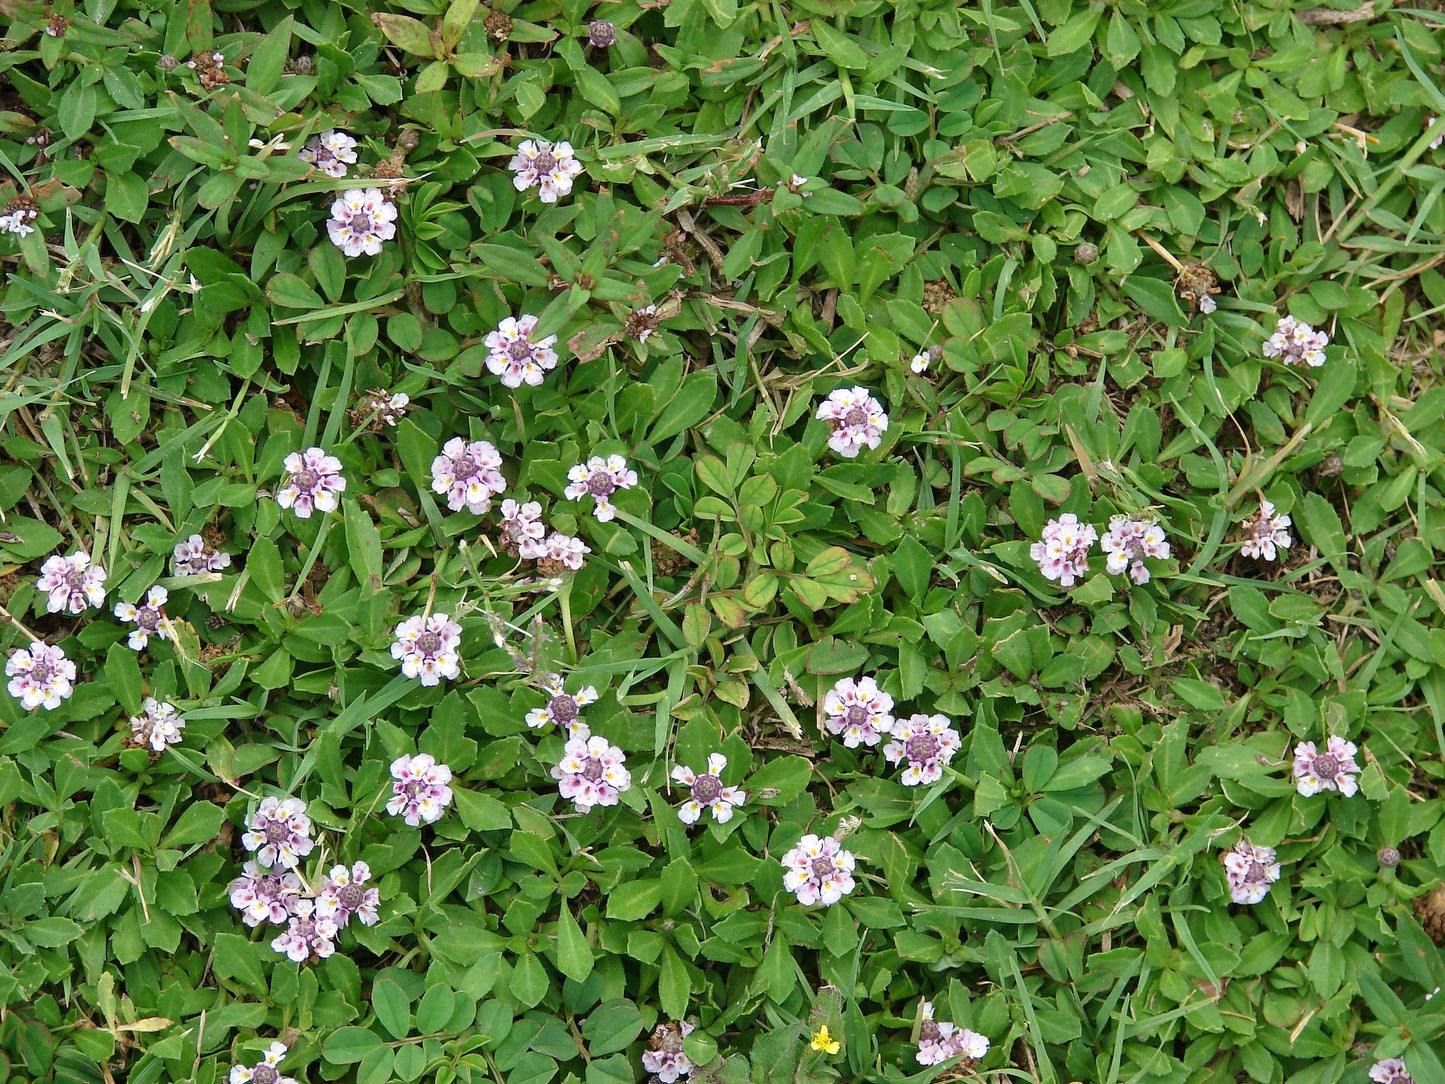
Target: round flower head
(307, 936)
(40, 676)
(421, 791)
(193, 556)
(818, 871)
(313, 479)
(1390, 1071)
(148, 618)
(1063, 554)
(1296, 343)
(561, 552)
(1250, 871)
(265, 1071)
(940, 1040)
(331, 152)
(1128, 542)
(345, 894)
(664, 1055)
(1334, 769)
(515, 356)
(927, 743)
(591, 771)
(523, 529)
(427, 647)
(265, 895)
(18, 221)
(548, 167)
(856, 420)
(858, 711)
(279, 832)
(71, 583)
(158, 725)
(599, 478)
(706, 791)
(468, 474)
(1265, 534)
(563, 709)
(361, 220)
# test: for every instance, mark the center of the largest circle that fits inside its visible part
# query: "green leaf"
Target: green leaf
(912, 567)
(693, 402)
(239, 959)
(435, 1009)
(574, 956)
(674, 985)
(406, 33)
(349, 1045)
(122, 673)
(393, 1008)
(199, 822)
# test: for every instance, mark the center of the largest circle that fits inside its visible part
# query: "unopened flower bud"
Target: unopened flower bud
(1388, 857)
(1086, 254)
(167, 63)
(601, 33)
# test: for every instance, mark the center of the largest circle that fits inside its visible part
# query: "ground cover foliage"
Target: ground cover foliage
(809, 194)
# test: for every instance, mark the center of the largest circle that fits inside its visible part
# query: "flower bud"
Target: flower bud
(1388, 857)
(1086, 254)
(601, 33)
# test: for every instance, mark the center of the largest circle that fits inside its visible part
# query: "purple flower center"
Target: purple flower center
(592, 770)
(41, 673)
(428, 643)
(1257, 873)
(601, 485)
(277, 832)
(929, 1032)
(360, 222)
(148, 618)
(267, 887)
(856, 715)
(823, 868)
(706, 789)
(305, 479)
(922, 747)
(412, 788)
(1326, 766)
(545, 162)
(265, 1074)
(75, 577)
(464, 467)
(520, 350)
(351, 895)
(305, 929)
(856, 416)
(562, 708)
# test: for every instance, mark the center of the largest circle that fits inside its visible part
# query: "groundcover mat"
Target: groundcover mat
(755, 541)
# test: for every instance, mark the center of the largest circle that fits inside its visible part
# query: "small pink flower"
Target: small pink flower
(469, 474)
(563, 709)
(427, 647)
(265, 1071)
(1334, 769)
(523, 529)
(1063, 554)
(344, 895)
(331, 152)
(940, 1040)
(361, 220)
(422, 789)
(279, 832)
(1265, 534)
(818, 870)
(599, 478)
(1250, 871)
(856, 420)
(72, 583)
(1128, 542)
(193, 557)
(308, 936)
(515, 356)
(548, 167)
(1391, 1070)
(591, 771)
(40, 675)
(706, 791)
(664, 1055)
(313, 480)
(927, 743)
(148, 618)
(1296, 343)
(858, 711)
(563, 551)
(158, 725)
(265, 895)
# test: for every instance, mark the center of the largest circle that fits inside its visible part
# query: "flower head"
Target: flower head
(1128, 541)
(361, 220)
(468, 474)
(548, 167)
(818, 870)
(940, 1040)
(920, 362)
(72, 583)
(40, 675)
(427, 647)
(265, 1071)
(1265, 533)
(824, 1042)
(345, 894)
(523, 529)
(265, 895)
(591, 771)
(383, 407)
(158, 725)
(563, 709)
(664, 1055)
(858, 711)
(855, 418)
(1296, 343)
(193, 556)
(313, 480)
(561, 552)
(19, 213)
(308, 936)
(331, 152)
(279, 832)
(706, 791)
(599, 478)
(927, 743)
(1334, 769)
(1391, 1070)
(515, 356)
(1250, 871)
(148, 618)
(421, 791)
(1063, 554)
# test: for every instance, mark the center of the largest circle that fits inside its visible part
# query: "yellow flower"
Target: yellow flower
(822, 1041)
